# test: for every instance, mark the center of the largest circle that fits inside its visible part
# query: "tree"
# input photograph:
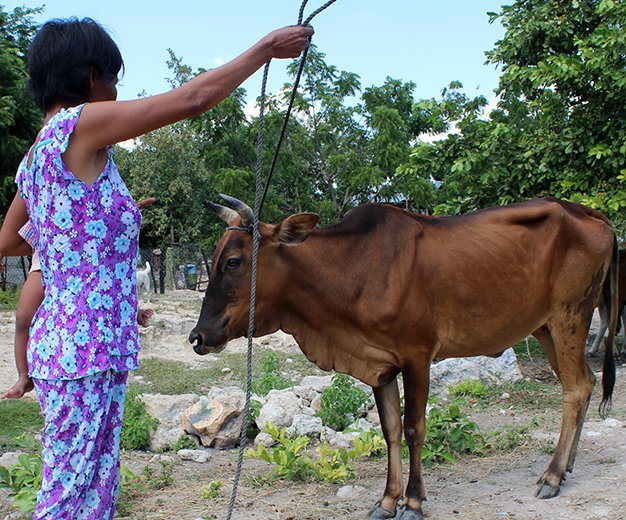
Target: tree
(20, 119)
(560, 125)
(567, 61)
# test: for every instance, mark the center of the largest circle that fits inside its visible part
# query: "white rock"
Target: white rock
(280, 408)
(200, 456)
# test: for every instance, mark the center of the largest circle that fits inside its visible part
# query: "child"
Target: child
(84, 338)
(30, 298)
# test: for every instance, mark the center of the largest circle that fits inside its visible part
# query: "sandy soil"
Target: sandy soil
(493, 487)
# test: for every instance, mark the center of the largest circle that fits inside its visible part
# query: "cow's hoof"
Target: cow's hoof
(407, 513)
(379, 512)
(545, 490)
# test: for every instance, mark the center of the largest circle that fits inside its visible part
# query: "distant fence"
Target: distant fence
(181, 266)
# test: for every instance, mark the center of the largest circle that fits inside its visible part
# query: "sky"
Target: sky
(428, 42)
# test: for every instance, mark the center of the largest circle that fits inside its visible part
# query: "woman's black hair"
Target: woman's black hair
(62, 55)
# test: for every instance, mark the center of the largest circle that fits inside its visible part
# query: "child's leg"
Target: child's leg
(30, 300)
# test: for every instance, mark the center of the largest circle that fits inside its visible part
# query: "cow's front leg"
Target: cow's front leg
(416, 380)
(388, 404)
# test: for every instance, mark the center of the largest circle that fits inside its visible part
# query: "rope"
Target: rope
(256, 237)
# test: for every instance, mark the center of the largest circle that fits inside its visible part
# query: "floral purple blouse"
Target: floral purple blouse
(87, 237)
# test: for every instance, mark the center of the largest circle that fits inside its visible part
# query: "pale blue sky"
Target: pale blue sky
(428, 42)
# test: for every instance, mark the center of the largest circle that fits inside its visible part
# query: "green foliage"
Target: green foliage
(213, 490)
(289, 458)
(469, 388)
(20, 119)
(291, 461)
(368, 443)
(161, 479)
(23, 479)
(341, 403)
(137, 425)
(270, 378)
(449, 432)
(9, 299)
(184, 442)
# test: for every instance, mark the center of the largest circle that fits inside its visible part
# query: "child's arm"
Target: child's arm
(11, 243)
(30, 299)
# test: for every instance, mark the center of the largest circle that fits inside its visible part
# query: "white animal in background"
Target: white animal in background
(143, 282)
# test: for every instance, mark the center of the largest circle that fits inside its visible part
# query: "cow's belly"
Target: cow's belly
(487, 331)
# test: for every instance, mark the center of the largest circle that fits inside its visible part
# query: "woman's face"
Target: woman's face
(103, 90)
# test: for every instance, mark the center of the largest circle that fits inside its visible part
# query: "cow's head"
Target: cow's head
(226, 305)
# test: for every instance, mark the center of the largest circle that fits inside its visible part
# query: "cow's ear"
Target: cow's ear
(296, 228)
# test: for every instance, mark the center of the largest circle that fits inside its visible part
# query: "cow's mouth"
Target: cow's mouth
(201, 348)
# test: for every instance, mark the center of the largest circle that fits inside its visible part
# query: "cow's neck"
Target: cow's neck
(318, 309)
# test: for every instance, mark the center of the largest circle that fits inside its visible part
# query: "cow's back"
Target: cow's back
(494, 276)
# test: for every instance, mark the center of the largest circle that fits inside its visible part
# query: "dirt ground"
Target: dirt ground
(482, 488)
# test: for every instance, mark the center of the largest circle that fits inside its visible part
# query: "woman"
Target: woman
(84, 339)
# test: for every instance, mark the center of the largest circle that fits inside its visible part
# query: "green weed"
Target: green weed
(341, 403)
(23, 479)
(270, 377)
(137, 425)
(213, 490)
(469, 388)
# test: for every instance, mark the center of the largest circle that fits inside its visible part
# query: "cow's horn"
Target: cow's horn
(245, 212)
(226, 214)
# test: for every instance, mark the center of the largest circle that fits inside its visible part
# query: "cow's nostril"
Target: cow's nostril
(193, 337)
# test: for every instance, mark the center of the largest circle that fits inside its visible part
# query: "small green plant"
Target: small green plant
(469, 388)
(341, 403)
(23, 479)
(138, 424)
(159, 479)
(289, 458)
(255, 409)
(369, 443)
(270, 378)
(184, 442)
(291, 461)
(213, 490)
(448, 432)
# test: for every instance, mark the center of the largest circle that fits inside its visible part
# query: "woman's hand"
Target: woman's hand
(143, 317)
(290, 41)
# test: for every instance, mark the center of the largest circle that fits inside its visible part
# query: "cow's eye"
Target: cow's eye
(232, 263)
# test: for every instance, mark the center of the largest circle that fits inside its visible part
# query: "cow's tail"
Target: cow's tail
(611, 299)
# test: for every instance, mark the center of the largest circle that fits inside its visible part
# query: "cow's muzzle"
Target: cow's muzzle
(197, 339)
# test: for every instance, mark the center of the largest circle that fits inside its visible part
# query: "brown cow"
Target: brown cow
(386, 291)
(603, 309)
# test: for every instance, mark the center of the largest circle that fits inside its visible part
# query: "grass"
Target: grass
(16, 417)
(533, 347)
(176, 377)
(9, 299)
(523, 394)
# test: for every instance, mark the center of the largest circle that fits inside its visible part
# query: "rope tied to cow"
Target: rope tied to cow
(254, 229)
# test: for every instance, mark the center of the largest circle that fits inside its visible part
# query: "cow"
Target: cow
(621, 313)
(385, 291)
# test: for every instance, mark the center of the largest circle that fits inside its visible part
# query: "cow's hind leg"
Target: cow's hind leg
(565, 347)
(388, 404)
(604, 324)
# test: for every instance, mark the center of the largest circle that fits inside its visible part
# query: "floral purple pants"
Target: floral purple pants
(81, 441)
